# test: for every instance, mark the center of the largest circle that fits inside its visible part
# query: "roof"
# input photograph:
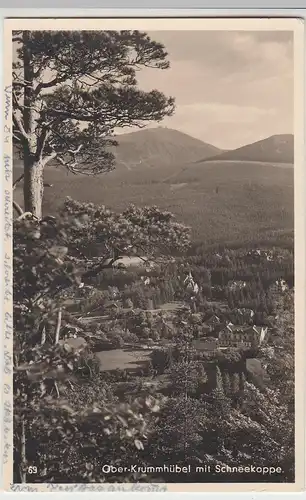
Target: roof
(213, 318)
(258, 330)
(107, 305)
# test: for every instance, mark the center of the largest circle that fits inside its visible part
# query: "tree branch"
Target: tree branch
(105, 264)
(18, 81)
(17, 138)
(56, 388)
(43, 335)
(121, 121)
(18, 208)
(63, 113)
(41, 141)
(52, 83)
(20, 127)
(17, 181)
(25, 214)
(15, 100)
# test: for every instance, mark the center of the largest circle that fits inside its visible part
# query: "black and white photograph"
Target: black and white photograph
(153, 254)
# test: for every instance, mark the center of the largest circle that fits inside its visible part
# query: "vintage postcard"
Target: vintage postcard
(154, 255)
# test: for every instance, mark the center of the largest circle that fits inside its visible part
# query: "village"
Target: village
(126, 338)
(206, 336)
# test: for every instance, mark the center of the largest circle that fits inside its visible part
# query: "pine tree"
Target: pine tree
(70, 117)
(235, 383)
(227, 383)
(219, 381)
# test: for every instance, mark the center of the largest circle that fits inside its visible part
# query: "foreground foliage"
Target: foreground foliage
(47, 260)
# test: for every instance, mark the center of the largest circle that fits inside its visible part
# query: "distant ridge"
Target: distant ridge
(274, 149)
(155, 147)
(160, 146)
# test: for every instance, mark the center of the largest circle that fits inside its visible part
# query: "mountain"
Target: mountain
(274, 149)
(154, 147)
(160, 146)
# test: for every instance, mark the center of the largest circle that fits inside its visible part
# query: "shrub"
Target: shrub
(117, 341)
(161, 360)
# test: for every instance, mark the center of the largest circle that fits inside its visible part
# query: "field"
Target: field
(123, 359)
(222, 201)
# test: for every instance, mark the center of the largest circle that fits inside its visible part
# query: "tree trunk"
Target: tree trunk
(23, 458)
(43, 335)
(33, 188)
(58, 326)
(33, 165)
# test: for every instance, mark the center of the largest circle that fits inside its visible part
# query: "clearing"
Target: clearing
(123, 359)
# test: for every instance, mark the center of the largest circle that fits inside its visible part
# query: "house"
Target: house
(229, 327)
(262, 332)
(237, 336)
(212, 324)
(246, 313)
(112, 308)
(190, 284)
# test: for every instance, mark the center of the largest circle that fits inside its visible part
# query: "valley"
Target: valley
(221, 201)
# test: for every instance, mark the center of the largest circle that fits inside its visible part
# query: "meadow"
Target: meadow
(123, 359)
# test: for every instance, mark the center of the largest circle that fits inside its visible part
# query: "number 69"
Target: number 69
(32, 470)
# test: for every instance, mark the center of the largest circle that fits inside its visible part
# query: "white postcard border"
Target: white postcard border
(269, 24)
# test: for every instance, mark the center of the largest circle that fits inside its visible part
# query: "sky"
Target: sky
(231, 87)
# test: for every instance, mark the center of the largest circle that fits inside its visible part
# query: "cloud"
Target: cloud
(226, 113)
(231, 87)
(239, 79)
(226, 126)
(226, 51)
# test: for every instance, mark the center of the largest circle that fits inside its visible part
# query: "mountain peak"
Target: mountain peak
(160, 146)
(277, 148)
